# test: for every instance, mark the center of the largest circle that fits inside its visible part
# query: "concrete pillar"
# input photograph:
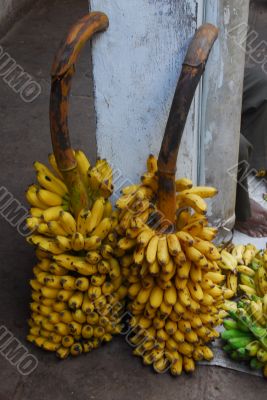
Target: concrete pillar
(136, 67)
(221, 107)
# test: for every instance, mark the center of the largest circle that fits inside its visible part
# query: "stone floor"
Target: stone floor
(110, 373)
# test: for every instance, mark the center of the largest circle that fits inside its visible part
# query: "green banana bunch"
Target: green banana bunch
(246, 334)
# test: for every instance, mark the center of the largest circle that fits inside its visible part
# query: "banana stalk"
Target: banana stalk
(62, 72)
(193, 68)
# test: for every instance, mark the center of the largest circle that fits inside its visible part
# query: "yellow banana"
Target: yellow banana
(103, 228)
(62, 353)
(83, 165)
(52, 213)
(144, 237)
(84, 214)
(64, 243)
(202, 191)
(94, 292)
(195, 273)
(156, 297)
(243, 269)
(231, 281)
(75, 301)
(188, 365)
(138, 255)
(215, 277)
(36, 212)
(162, 251)
(32, 198)
(237, 252)
(82, 284)
(92, 243)
(207, 248)
(173, 244)
(228, 262)
(184, 270)
(151, 250)
(77, 241)
(51, 183)
(49, 198)
(193, 201)
(67, 222)
(143, 296)
(53, 163)
(96, 215)
(98, 280)
(170, 296)
(196, 291)
(183, 184)
(177, 366)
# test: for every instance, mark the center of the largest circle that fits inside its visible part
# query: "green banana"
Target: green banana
(227, 348)
(239, 355)
(234, 333)
(256, 364)
(259, 332)
(252, 348)
(247, 280)
(230, 324)
(239, 342)
(262, 355)
(255, 265)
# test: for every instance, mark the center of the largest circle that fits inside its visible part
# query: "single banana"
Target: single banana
(96, 215)
(183, 184)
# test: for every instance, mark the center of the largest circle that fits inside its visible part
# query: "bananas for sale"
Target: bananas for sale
(174, 277)
(245, 268)
(246, 333)
(77, 290)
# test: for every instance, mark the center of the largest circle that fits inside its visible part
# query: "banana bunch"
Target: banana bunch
(77, 289)
(50, 195)
(228, 265)
(73, 313)
(245, 269)
(246, 333)
(174, 278)
(49, 192)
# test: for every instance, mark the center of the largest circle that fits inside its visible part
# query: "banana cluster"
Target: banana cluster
(49, 192)
(77, 290)
(246, 333)
(174, 278)
(50, 195)
(246, 270)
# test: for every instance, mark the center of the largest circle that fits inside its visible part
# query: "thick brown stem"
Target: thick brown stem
(192, 71)
(62, 73)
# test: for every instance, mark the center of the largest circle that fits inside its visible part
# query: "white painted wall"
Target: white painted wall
(136, 67)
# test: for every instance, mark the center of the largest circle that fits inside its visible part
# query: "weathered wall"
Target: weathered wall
(136, 67)
(221, 106)
(10, 10)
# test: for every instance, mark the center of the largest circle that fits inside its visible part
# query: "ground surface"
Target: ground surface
(110, 373)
